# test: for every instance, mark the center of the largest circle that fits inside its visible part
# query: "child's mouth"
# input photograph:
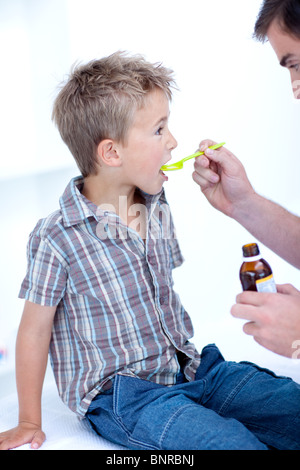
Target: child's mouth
(163, 175)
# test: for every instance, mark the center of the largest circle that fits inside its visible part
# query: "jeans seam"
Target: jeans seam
(235, 391)
(120, 423)
(200, 398)
(272, 432)
(172, 418)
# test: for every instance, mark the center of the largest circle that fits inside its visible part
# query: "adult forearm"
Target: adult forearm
(272, 225)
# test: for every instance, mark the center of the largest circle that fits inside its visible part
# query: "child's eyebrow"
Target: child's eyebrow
(163, 119)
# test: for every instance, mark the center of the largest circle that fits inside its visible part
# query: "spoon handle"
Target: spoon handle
(179, 165)
(197, 154)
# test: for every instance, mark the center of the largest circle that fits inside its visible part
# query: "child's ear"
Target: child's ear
(107, 153)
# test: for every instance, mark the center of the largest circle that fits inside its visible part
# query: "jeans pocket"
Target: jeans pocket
(131, 397)
(132, 393)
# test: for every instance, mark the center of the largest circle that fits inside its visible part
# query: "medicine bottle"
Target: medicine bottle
(255, 273)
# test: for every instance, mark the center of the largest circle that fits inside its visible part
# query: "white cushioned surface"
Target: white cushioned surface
(64, 431)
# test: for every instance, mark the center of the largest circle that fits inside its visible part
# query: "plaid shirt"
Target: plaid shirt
(117, 312)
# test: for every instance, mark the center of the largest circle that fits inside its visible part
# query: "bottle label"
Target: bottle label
(250, 259)
(267, 284)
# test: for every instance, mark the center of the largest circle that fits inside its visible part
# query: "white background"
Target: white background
(231, 89)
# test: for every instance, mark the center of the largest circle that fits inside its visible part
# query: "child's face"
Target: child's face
(149, 145)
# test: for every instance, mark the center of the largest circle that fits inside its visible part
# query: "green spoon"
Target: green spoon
(179, 165)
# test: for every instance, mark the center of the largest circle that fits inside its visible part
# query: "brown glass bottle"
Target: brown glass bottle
(255, 273)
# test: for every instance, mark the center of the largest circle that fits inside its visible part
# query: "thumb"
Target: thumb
(38, 439)
(225, 159)
(286, 289)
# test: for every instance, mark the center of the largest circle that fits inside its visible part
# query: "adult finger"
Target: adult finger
(224, 159)
(253, 298)
(202, 162)
(251, 328)
(205, 177)
(244, 312)
(204, 144)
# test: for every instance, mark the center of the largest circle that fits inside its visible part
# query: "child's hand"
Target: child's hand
(24, 433)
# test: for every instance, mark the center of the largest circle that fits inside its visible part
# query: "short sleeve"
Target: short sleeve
(46, 278)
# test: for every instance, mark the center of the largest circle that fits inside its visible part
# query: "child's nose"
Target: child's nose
(173, 142)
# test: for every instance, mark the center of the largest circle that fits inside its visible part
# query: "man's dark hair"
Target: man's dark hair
(286, 12)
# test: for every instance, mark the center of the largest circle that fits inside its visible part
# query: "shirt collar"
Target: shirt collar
(75, 208)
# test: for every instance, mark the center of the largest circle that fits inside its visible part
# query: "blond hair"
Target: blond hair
(99, 100)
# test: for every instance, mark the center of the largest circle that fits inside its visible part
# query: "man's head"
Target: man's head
(100, 99)
(279, 22)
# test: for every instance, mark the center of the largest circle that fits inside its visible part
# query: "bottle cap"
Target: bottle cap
(251, 249)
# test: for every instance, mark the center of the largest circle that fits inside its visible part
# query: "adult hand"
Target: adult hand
(24, 433)
(222, 178)
(273, 319)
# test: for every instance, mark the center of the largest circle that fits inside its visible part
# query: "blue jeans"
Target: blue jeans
(229, 406)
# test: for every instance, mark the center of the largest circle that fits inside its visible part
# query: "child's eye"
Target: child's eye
(295, 67)
(159, 131)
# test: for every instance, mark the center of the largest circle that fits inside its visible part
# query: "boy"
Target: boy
(99, 290)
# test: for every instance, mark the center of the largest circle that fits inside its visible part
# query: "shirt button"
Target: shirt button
(162, 300)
